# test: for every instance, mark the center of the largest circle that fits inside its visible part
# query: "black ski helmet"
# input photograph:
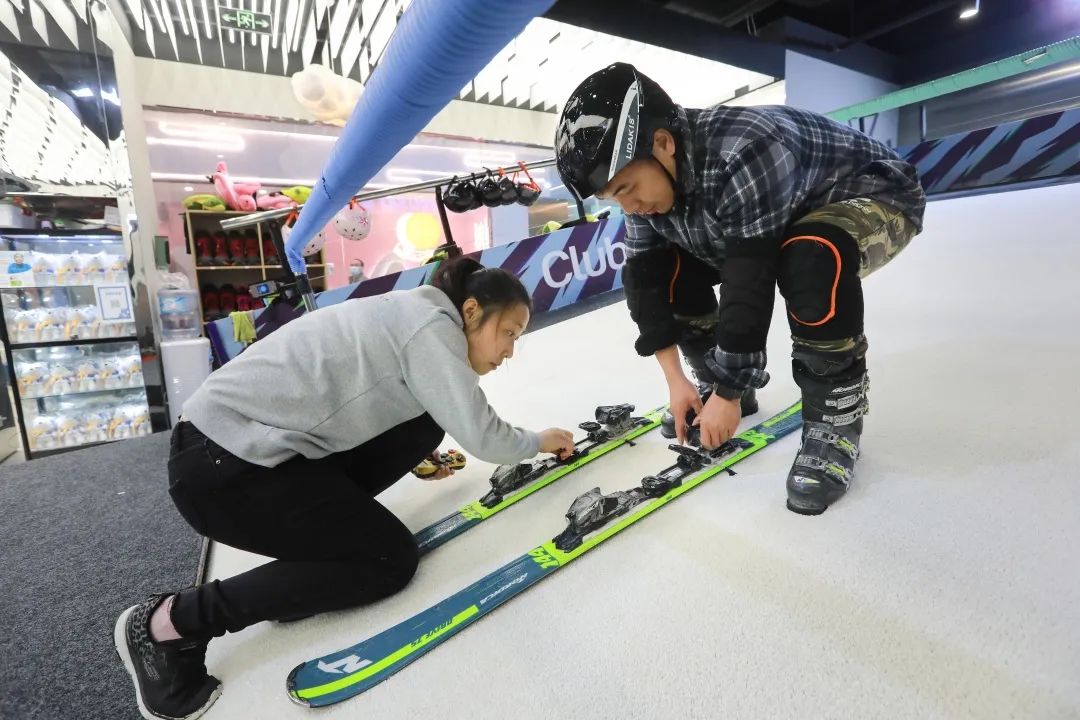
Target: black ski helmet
(607, 122)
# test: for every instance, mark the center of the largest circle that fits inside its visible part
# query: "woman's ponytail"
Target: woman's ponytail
(494, 288)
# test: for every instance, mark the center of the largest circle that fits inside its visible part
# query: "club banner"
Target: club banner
(558, 269)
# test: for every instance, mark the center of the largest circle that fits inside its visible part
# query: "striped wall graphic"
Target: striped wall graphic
(1040, 148)
(558, 269)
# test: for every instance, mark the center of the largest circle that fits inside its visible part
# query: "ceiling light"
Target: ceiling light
(969, 9)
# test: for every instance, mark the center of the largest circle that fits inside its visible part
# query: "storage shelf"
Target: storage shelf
(217, 212)
(244, 274)
(249, 267)
(84, 392)
(62, 287)
(87, 341)
(38, 453)
(63, 233)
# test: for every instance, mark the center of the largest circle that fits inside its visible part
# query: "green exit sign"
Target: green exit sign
(245, 20)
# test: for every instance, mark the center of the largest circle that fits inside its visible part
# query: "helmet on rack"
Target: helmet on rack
(461, 196)
(608, 122)
(490, 192)
(508, 189)
(528, 193)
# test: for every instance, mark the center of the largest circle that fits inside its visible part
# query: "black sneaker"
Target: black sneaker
(170, 678)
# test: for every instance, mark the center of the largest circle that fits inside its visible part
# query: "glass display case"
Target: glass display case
(74, 366)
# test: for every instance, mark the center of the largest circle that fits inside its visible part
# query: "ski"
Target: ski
(614, 427)
(592, 519)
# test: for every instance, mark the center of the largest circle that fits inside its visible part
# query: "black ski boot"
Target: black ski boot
(170, 677)
(695, 343)
(667, 422)
(834, 389)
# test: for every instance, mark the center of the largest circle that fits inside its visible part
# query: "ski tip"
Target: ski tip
(290, 686)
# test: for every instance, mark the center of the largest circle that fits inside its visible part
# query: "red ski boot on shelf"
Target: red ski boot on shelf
(270, 256)
(228, 300)
(236, 248)
(203, 241)
(251, 248)
(221, 248)
(211, 303)
(243, 300)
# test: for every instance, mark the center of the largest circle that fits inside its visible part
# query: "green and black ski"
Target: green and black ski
(614, 427)
(593, 518)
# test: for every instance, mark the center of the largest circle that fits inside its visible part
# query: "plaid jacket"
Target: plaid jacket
(744, 176)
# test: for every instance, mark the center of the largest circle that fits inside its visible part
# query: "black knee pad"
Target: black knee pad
(692, 283)
(818, 275)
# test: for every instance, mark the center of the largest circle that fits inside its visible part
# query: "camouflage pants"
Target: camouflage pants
(880, 232)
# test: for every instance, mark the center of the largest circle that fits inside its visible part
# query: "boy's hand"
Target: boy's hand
(718, 421)
(683, 397)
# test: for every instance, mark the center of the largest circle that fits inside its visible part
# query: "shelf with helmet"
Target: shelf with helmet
(227, 263)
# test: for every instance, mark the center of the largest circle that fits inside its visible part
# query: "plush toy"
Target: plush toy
(353, 222)
(59, 380)
(131, 371)
(44, 270)
(94, 426)
(67, 433)
(68, 270)
(86, 376)
(298, 193)
(43, 433)
(273, 201)
(203, 201)
(32, 378)
(237, 196)
(116, 269)
(93, 268)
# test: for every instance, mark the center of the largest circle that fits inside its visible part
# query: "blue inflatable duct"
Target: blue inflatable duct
(438, 47)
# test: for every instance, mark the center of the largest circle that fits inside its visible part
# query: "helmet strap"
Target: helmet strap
(669, 176)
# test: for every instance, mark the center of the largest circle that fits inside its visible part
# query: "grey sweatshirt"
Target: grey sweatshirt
(338, 377)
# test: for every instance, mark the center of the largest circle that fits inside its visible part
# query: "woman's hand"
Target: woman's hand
(557, 441)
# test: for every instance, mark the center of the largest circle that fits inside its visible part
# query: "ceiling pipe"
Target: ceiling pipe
(896, 24)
